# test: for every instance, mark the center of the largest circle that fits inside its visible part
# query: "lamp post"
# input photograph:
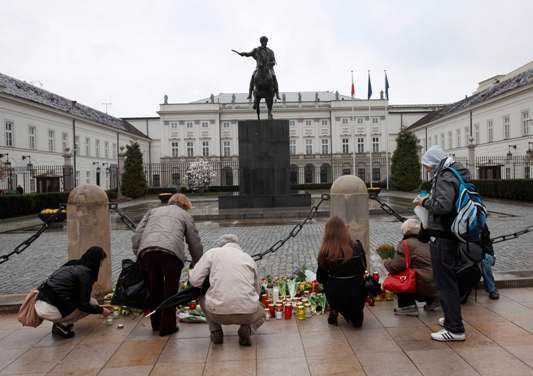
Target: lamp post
(510, 157)
(9, 171)
(529, 153)
(98, 170)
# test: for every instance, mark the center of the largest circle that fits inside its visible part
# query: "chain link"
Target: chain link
(123, 217)
(497, 239)
(26, 243)
(295, 230)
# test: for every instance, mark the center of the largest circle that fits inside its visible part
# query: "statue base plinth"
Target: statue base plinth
(264, 201)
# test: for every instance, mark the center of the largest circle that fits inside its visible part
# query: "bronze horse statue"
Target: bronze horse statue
(263, 88)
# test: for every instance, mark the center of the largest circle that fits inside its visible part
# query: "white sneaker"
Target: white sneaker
(445, 336)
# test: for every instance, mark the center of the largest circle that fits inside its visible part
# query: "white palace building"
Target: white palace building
(330, 134)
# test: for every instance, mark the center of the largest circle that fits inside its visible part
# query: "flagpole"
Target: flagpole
(387, 130)
(353, 129)
(370, 135)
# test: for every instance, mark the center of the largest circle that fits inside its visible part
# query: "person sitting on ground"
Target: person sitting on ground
(233, 294)
(426, 289)
(341, 269)
(65, 297)
(159, 244)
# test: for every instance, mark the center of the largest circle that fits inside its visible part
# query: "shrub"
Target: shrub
(425, 186)
(133, 179)
(32, 203)
(405, 168)
(518, 189)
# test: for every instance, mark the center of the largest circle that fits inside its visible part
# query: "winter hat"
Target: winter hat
(227, 238)
(433, 156)
(411, 227)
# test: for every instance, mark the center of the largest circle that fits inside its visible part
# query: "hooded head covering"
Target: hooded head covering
(411, 227)
(227, 238)
(92, 259)
(433, 156)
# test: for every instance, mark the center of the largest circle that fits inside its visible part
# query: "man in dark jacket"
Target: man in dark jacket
(444, 247)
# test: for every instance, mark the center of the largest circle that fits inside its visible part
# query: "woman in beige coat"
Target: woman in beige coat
(426, 289)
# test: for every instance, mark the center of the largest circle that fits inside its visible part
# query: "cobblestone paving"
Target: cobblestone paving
(27, 270)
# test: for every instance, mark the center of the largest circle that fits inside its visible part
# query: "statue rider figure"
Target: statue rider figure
(264, 56)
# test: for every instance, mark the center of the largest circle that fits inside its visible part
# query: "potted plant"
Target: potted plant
(59, 215)
(164, 197)
(374, 191)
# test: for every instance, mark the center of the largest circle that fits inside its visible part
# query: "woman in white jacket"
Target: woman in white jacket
(233, 295)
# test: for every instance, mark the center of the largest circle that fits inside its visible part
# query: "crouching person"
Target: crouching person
(233, 295)
(65, 297)
(426, 288)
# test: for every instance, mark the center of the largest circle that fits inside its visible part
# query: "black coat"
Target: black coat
(69, 288)
(345, 286)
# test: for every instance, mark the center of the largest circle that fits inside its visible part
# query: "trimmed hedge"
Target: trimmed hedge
(517, 189)
(32, 203)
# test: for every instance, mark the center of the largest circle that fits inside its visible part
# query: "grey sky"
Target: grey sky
(133, 52)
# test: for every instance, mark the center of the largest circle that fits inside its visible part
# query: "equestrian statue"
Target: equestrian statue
(263, 83)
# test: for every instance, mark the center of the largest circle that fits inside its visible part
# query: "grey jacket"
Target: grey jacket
(441, 202)
(168, 227)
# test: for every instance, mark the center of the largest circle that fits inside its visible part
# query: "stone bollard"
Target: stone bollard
(87, 226)
(349, 201)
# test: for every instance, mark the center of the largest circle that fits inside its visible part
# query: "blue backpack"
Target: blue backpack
(471, 212)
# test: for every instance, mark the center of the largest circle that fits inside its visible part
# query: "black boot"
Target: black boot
(63, 331)
(332, 318)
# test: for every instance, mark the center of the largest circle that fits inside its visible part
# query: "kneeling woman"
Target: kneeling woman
(341, 269)
(65, 297)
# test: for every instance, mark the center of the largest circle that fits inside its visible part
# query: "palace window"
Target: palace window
(227, 148)
(324, 122)
(375, 120)
(449, 139)
(345, 146)
(114, 151)
(88, 177)
(525, 122)
(360, 144)
(32, 132)
(190, 149)
(97, 148)
(467, 135)
(308, 123)
(189, 124)
(9, 130)
(457, 137)
(490, 130)
(205, 124)
(174, 149)
(87, 146)
(344, 120)
(325, 146)
(205, 148)
(106, 149)
(360, 120)
(442, 141)
(476, 133)
(51, 140)
(375, 144)
(506, 126)
(308, 146)
(292, 147)
(226, 124)
(174, 125)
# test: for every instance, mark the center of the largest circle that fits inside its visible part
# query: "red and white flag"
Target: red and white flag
(353, 86)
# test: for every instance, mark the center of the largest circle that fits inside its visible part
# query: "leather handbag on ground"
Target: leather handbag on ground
(403, 282)
(27, 315)
(131, 289)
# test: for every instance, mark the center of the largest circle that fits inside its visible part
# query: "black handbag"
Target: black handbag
(131, 289)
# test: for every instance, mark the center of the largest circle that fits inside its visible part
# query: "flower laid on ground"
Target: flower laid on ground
(45, 214)
(385, 251)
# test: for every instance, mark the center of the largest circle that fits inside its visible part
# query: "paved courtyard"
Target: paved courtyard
(27, 270)
(499, 342)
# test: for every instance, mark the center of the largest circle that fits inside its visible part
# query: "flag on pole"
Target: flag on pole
(386, 86)
(369, 86)
(353, 86)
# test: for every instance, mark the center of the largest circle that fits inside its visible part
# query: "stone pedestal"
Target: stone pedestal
(264, 168)
(349, 201)
(87, 226)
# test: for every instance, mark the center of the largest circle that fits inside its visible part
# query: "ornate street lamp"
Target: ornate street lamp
(29, 166)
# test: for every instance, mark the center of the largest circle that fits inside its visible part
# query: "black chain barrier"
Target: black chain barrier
(123, 217)
(497, 239)
(295, 230)
(26, 243)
